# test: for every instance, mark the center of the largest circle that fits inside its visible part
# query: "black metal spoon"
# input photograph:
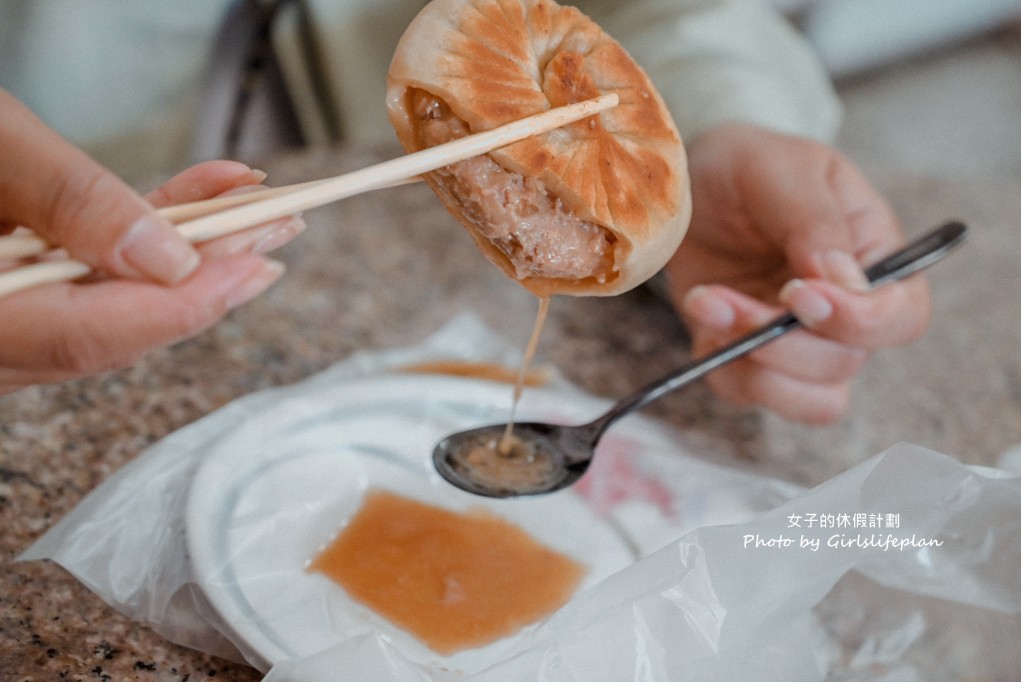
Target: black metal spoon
(543, 458)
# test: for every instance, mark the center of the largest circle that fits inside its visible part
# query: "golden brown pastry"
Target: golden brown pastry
(593, 208)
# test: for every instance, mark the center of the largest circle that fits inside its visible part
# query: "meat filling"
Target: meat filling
(516, 214)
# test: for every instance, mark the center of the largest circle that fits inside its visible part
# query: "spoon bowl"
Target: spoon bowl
(538, 458)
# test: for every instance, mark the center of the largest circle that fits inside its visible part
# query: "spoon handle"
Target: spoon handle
(917, 255)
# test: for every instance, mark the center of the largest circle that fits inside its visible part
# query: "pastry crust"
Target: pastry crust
(623, 170)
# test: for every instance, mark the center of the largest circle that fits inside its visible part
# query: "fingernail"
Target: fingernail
(280, 236)
(808, 305)
(153, 249)
(259, 175)
(842, 268)
(257, 283)
(707, 308)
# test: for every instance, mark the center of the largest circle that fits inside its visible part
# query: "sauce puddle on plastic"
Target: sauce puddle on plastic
(453, 580)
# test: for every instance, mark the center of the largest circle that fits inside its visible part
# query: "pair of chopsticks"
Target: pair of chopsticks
(204, 220)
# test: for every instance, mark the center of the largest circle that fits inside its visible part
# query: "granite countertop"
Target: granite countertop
(387, 269)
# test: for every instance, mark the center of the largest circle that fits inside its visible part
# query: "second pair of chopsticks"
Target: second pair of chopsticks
(239, 212)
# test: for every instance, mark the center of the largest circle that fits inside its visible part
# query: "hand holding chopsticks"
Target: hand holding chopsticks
(239, 212)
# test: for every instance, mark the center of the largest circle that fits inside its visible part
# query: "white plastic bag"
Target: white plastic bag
(734, 576)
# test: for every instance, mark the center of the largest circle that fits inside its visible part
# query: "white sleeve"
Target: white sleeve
(715, 61)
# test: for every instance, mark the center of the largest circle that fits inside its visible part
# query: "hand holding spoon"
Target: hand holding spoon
(542, 458)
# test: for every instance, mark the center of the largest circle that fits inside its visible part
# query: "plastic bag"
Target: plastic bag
(732, 575)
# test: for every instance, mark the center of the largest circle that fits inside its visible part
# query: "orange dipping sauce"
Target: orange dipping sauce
(453, 580)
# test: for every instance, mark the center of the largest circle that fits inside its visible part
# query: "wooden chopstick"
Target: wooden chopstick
(387, 172)
(248, 210)
(17, 246)
(61, 270)
(181, 213)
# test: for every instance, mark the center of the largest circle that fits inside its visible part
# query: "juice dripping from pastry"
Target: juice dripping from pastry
(506, 445)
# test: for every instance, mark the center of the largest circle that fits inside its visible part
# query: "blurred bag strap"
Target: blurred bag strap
(258, 98)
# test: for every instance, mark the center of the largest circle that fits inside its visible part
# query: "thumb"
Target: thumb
(71, 201)
(101, 221)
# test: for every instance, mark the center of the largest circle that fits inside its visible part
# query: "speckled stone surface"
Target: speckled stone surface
(387, 269)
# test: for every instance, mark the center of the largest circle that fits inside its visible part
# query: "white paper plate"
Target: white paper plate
(273, 492)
